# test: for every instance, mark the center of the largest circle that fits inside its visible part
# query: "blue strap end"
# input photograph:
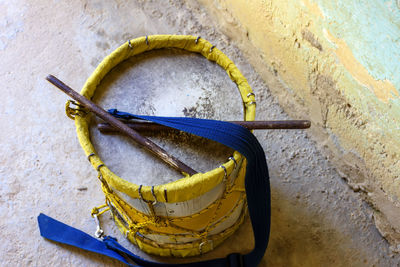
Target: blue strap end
(57, 231)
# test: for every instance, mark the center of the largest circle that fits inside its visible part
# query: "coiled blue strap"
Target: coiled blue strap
(256, 184)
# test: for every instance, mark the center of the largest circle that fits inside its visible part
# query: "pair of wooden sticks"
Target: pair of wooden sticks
(131, 128)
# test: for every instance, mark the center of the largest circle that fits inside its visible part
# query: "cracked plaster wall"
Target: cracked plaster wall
(337, 62)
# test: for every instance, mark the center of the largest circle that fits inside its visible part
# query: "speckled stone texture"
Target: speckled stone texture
(316, 219)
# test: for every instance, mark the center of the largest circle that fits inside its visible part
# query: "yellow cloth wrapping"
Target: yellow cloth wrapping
(145, 229)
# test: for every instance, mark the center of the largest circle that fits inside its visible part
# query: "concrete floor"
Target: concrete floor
(317, 220)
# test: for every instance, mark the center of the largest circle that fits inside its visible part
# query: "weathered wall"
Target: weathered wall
(339, 61)
(317, 220)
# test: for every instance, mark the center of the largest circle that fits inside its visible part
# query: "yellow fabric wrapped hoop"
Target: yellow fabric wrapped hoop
(180, 190)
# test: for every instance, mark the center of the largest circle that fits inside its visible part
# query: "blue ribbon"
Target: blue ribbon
(256, 184)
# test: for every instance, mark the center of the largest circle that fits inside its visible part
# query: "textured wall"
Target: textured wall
(339, 62)
(317, 220)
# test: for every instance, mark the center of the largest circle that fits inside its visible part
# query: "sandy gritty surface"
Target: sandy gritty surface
(317, 220)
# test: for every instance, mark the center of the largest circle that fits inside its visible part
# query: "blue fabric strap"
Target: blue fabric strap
(256, 184)
(62, 233)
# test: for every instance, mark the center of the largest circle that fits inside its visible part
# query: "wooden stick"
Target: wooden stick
(143, 126)
(121, 127)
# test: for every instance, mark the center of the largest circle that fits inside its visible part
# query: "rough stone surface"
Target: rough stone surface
(317, 219)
